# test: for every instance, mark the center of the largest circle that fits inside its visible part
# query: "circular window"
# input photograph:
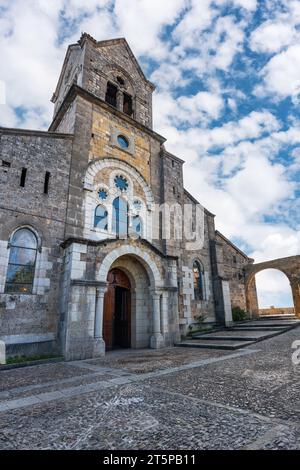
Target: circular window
(102, 194)
(121, 183)
(123, 142)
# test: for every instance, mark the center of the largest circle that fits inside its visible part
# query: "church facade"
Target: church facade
(101, 247)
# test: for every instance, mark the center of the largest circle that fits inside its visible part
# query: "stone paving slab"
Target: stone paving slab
(267, 382)
(142, 361)
(37, 375)
(140, 417)
(60, 392)
(247, 399)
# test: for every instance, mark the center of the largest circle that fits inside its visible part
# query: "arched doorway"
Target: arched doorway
(117, 311)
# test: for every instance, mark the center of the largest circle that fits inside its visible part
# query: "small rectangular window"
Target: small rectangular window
(111, 94)
(127, 104)
(23, 177)
(46, 182)
(6, 164)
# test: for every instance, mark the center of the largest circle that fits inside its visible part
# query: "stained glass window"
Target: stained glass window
(137, 225)
(100, 219)
(102, 194)
(120, 217)
(121, 183)
(21, 264)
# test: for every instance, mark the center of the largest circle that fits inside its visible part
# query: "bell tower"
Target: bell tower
(109, 71)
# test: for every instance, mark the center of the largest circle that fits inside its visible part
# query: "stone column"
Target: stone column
(99, 344)
(296, 295)
(164, 313)
(120, 100)
(157, 340)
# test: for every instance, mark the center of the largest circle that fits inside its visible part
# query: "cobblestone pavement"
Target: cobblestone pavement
(174, 398)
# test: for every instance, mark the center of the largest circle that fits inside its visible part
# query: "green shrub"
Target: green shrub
(238, 314)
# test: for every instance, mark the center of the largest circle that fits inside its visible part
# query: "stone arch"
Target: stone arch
(141, 300)
(28, 227)
(289, 266)
(99, 164)
(142, 256)
(113, 70)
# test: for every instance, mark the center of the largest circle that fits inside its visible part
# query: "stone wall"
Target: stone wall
(233, 262)
(190, 308)
(33, 318)
(107, 60)
(277, 311)
(87, 266)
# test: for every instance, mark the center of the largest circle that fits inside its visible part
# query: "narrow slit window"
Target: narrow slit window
(46, 182)
(23, 177)
(127, 104)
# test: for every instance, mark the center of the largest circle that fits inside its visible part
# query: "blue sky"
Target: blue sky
(228, 91)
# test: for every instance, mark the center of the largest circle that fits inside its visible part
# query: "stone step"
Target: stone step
(228, 345)
(261, 328)
(236, 336)
(277, 317)
(239, 336)
(259, 324)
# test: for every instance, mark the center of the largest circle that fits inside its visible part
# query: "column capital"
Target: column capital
(100, 291)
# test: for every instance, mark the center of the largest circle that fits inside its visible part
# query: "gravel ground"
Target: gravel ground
(246, 402)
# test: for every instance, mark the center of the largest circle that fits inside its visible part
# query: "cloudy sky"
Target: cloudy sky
(227, 99)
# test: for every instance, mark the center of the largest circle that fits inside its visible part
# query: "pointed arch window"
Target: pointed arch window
(120, 217)
(100, 218)
(198, 273)
(22, 260)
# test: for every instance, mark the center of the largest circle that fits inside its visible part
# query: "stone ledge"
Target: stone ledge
(37, 133)
(28, 338)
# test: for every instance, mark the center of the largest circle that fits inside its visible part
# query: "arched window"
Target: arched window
(111, 94)
(198, 273)
(137, 225)
(21, 264)
(120, 217)
(100, 218)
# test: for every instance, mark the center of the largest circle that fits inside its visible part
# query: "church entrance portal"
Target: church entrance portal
(117, 311)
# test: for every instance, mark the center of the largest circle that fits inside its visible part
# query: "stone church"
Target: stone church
(94, 252)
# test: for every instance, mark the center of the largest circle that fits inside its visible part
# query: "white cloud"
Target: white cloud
(281, 74)
(250, 5)
(142, 23)
(272, 37)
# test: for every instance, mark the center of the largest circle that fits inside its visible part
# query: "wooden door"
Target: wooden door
(122, 323)
(117, 311)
